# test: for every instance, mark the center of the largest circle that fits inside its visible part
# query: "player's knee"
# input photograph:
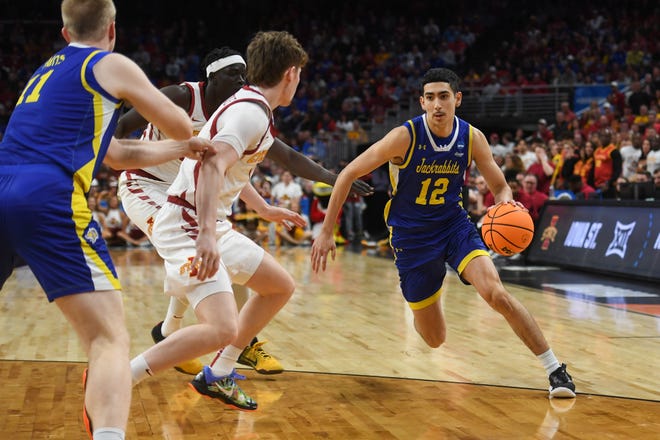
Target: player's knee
(500, 300)
(222, 336)
(115, 340)
(434, 337)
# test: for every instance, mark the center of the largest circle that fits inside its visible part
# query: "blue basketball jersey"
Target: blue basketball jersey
(427, 187)
(63, 116)
(56, 140)
(428, 225)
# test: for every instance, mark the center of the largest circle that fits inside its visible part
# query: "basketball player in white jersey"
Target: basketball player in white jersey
(143, 191)
(191, 231)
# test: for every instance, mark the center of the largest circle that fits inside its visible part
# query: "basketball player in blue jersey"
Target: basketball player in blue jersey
(429, 157)
(59, 134)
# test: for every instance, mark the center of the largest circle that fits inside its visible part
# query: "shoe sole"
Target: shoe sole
(86, 420)
(562, 393)
(218, 398)
(184, 371)
(247, 364)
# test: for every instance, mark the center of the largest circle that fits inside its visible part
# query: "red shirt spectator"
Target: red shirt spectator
(537, 198)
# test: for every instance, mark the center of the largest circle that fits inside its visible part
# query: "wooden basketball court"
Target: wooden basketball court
(355, 367)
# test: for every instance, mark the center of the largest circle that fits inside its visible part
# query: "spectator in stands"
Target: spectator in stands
(616, 98)
(358, 134)
(497, 148)
(526, 152)
(642, 118)
(607, 164)
(656, 182)
(638, 97)
(477, 199)
(651, 153)
(542, 168)
(542, 131)
(566, 166)
(513, 162)
(654, 122)
(562, 128)
(519, 195)
(630, 154)
(537, 198)
(580, 189)
(286, 191)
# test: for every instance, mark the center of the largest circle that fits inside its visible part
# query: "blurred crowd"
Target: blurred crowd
(366, 60)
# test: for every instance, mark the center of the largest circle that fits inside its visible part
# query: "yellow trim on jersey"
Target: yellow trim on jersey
(394, 168)
(426, 302)
(83, 177)
(470, 138)
(469, 257)
(411, 147)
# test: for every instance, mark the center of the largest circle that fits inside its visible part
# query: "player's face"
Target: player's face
(225, 82)
(439, 101)
(293, 76)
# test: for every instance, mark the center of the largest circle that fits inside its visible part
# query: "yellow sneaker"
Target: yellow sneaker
(192, 367)
(254, 356)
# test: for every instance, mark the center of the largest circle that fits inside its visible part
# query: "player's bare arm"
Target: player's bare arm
(132, 120)
(391, 148)
(303, 166)
(132, 153)
(483, 158)
(211, 178)
(124, 79)
(276, 214)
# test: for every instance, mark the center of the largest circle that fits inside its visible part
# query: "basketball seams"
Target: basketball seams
(499, 233)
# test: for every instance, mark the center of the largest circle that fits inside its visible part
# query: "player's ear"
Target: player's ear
(459, 99)
(66, 34)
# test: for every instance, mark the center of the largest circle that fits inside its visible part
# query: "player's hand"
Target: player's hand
(362, 188)
(510, 202)
(207, 258)
(323, 244)
(197, 147)
(283, 216)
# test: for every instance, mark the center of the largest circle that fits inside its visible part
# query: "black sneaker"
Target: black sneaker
(561, 383)
(157, 332)
(223, 388)
(191, 367)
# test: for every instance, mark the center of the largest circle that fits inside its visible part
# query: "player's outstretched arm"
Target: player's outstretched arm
(124, 79)
(132, 153)
(276, 214)
(303, 166)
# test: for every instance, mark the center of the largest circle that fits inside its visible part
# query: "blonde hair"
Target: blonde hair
(87, 19)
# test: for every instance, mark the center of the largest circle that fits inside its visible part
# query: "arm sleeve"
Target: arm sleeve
(242, 126)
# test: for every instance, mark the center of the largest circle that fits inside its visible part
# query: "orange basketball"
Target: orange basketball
(507, 229)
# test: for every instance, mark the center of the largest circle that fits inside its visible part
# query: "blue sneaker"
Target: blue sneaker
(223, 388)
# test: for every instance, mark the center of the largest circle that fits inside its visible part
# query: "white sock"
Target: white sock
(549, 361)
(140, 369)
(109, 434)
(174, 317)
(224, 365)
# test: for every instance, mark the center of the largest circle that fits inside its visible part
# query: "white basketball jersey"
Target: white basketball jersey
(167, 171)
(246, 112)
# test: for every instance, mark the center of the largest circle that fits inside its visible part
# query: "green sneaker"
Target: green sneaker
(223, 388)
(254, 356)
